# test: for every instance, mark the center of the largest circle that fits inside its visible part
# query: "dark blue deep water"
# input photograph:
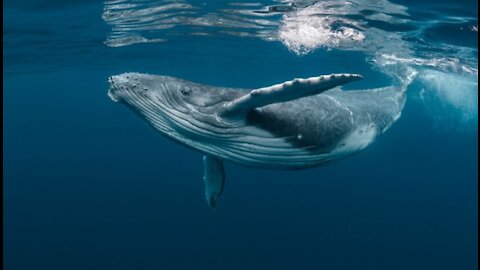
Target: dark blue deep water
(89, 185)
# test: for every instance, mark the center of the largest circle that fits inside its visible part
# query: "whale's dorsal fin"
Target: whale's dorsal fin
(289, 90)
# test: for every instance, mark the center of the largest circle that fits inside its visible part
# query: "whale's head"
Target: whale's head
(161, 100)
(144, 92)
(165, 94)
(174, 106)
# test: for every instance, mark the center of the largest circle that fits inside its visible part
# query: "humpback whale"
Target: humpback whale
(296, 124)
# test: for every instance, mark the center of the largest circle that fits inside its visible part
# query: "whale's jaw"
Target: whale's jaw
(139, 93)
(111, 91)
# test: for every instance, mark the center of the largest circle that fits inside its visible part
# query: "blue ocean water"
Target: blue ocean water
(89, 185)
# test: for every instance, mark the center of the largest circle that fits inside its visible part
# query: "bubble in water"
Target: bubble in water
(451, 98)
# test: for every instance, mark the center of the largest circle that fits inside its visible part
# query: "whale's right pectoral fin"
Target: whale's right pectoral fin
(286, 91)
(214, 177)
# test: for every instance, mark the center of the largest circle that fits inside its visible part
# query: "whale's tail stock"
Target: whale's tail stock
(409, 75)
(404, 76)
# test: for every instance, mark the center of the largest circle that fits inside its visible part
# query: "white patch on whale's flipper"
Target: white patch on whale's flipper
(214, 177)
(289, 90)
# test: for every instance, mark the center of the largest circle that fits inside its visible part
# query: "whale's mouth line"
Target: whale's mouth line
(111, 90)
(113, 96)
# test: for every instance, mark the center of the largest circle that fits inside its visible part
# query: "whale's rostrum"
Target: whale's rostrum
(297, 124)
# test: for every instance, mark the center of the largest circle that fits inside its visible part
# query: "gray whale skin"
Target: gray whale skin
(297, 124)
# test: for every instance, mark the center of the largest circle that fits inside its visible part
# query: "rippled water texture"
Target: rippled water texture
(395, 39)
(388, 32)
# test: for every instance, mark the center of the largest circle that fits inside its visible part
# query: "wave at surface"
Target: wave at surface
(388, 34)
(384, 30)
(147, 21)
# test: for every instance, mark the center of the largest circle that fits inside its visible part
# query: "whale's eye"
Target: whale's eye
(185, 91)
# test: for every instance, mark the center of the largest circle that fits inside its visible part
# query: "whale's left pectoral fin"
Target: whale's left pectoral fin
(289, 90)
(214, 177)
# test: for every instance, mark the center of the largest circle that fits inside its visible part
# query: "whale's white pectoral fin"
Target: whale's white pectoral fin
(214, 177)
(289, 90)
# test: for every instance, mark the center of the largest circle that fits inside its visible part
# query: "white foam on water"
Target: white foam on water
(328, 24)
(440, 63)
(305, 30)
